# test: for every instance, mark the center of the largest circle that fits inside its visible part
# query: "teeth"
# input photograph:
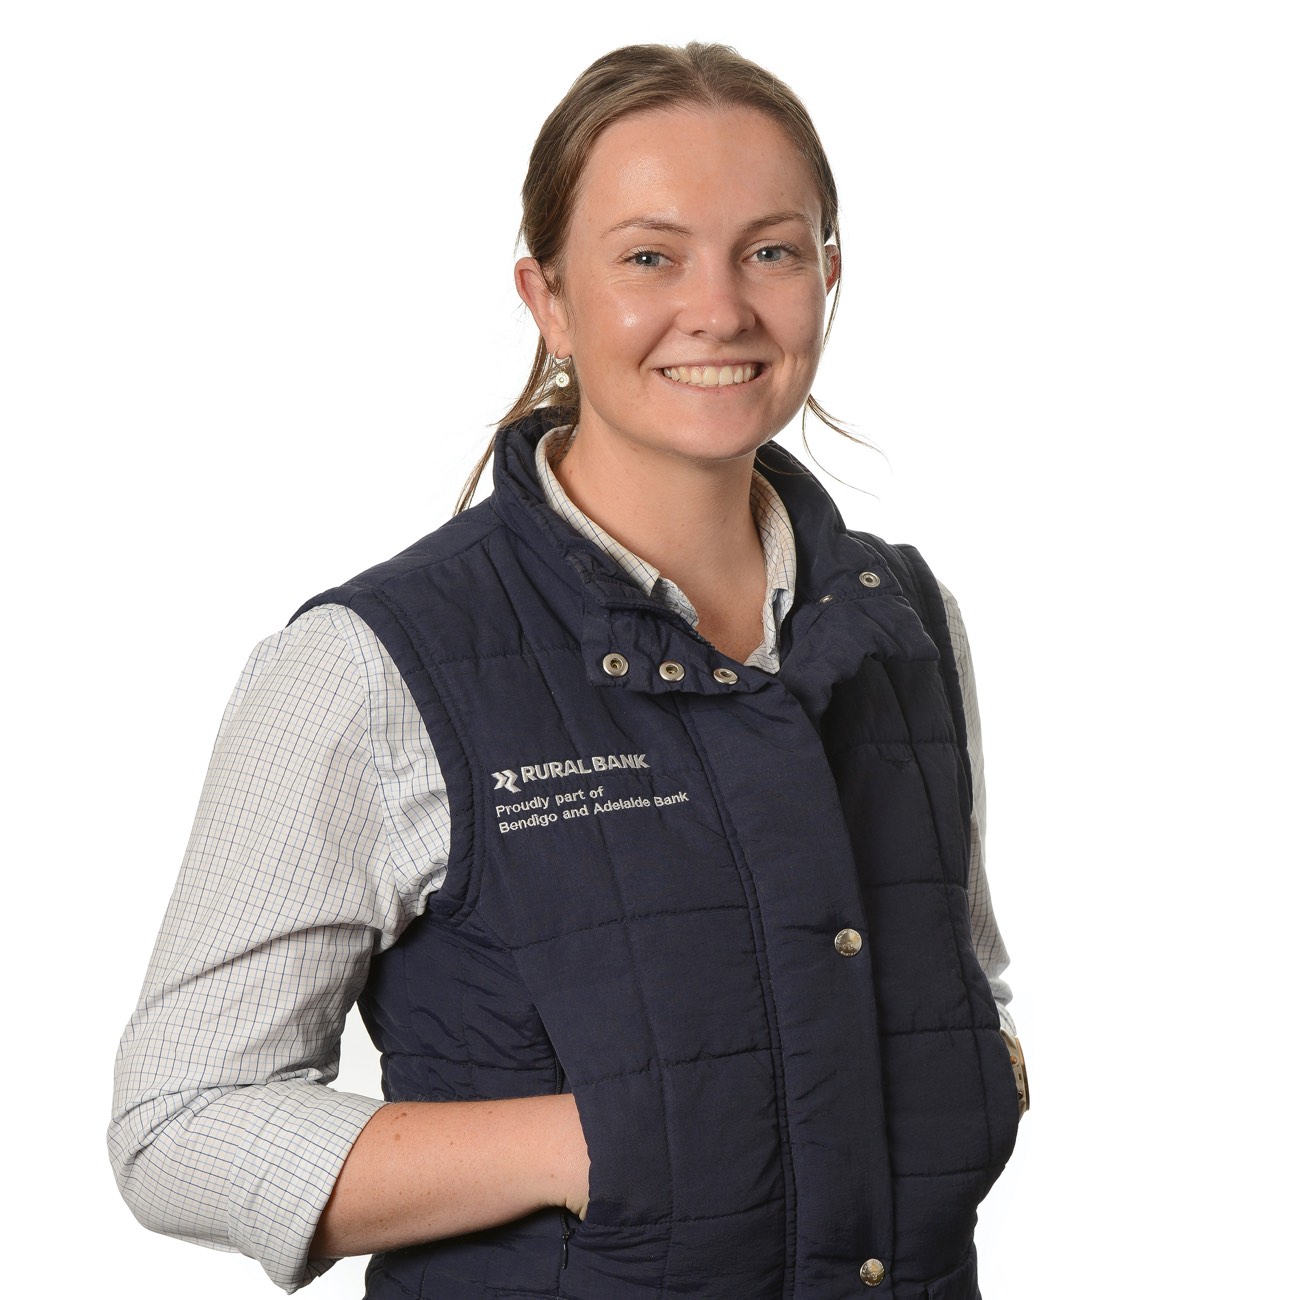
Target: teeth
(711, 376)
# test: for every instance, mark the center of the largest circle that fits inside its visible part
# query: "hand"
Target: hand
(574, 1161)
(421, 1171)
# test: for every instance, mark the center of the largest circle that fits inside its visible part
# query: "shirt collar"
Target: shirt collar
(774, 533)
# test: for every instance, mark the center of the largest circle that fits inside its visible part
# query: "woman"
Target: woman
(634, 803)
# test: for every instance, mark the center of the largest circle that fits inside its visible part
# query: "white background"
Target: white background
(253, 253)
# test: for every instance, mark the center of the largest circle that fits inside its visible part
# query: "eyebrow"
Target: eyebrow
(673, 228)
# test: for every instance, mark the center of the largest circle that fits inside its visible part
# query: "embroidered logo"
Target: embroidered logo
(537, 810)
(509, 779)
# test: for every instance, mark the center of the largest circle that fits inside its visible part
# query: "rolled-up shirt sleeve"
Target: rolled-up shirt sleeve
(224, 1131)
(990, 950)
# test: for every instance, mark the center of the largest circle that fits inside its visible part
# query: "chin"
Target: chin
(717, 447)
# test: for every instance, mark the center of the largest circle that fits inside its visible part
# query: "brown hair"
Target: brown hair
(638, 79)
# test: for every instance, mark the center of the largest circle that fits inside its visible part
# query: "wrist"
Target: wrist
(573, 1165)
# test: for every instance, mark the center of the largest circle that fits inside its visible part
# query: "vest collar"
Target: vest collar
(848, 603)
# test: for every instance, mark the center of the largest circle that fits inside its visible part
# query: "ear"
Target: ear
(547, 308)
(832, 254)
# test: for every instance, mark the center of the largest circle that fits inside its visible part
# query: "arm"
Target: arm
(990, 951)
(321, 826)
(420, 1171)
(223, 1130)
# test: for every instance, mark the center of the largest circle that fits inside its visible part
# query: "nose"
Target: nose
(716, 304)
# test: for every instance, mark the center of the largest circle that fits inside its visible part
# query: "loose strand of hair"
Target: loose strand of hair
(539, 391)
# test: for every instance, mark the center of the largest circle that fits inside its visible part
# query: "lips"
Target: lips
(712, 376)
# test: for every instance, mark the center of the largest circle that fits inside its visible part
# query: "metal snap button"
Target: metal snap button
(671, 671)
(725, 676)
(872, 1272)
(826, 600)
(869, 579)
(848, 943)
(615, 665)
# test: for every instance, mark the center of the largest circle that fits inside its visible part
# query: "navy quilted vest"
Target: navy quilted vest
(650, 868)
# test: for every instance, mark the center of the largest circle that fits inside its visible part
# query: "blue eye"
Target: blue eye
(773, 253)
(647, 258)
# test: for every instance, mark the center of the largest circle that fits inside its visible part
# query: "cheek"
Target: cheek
(634, 312)
(621, 329)
(607, 322)
(810, 315)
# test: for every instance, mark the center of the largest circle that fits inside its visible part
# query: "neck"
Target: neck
(691, 521)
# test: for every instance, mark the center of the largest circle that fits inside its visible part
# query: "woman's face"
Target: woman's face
(694, 284)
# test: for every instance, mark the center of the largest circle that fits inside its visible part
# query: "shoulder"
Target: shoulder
(312, 653)
(320, 673)
(931, 597)
(914, 575)
(938, 611)
(936, 605)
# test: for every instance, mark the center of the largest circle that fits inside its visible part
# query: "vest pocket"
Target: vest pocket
(628, 1181)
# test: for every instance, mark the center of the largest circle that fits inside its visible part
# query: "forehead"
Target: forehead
(696, 167)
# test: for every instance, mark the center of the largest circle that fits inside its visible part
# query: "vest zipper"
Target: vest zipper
(567, 1229)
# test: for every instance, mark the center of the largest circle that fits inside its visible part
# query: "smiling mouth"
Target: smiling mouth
(712, 376)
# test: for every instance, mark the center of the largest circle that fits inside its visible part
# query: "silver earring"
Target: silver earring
(561, 376)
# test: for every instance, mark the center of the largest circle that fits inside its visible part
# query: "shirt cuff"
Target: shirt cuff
(294, 1152)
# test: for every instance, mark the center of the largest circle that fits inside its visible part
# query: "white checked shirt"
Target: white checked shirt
(322, 826)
